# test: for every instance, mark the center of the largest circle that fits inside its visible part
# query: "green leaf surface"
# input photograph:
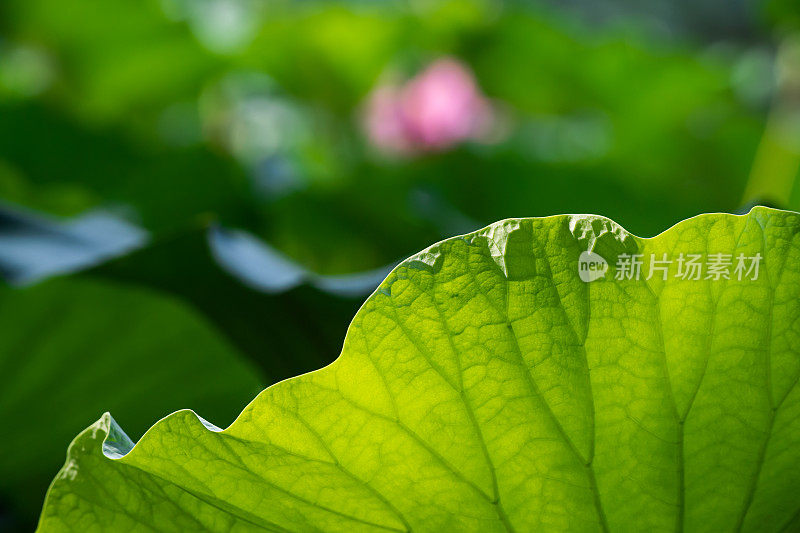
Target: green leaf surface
(485, 387)
(71, 349)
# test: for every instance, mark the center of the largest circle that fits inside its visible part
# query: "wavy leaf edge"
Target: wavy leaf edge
(586, 228)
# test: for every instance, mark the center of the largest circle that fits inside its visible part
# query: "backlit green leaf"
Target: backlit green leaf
(485, 387)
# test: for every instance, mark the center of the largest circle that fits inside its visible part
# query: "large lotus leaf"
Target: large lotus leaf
(230, 276)
(293, 326)
(485, 387)
(71, 348)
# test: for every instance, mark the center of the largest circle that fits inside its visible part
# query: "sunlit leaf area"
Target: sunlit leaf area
(449, 265)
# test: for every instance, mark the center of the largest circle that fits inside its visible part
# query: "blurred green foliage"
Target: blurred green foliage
(175, 113)
(249, 111)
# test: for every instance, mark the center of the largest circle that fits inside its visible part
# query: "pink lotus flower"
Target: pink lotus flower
(439, 108)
